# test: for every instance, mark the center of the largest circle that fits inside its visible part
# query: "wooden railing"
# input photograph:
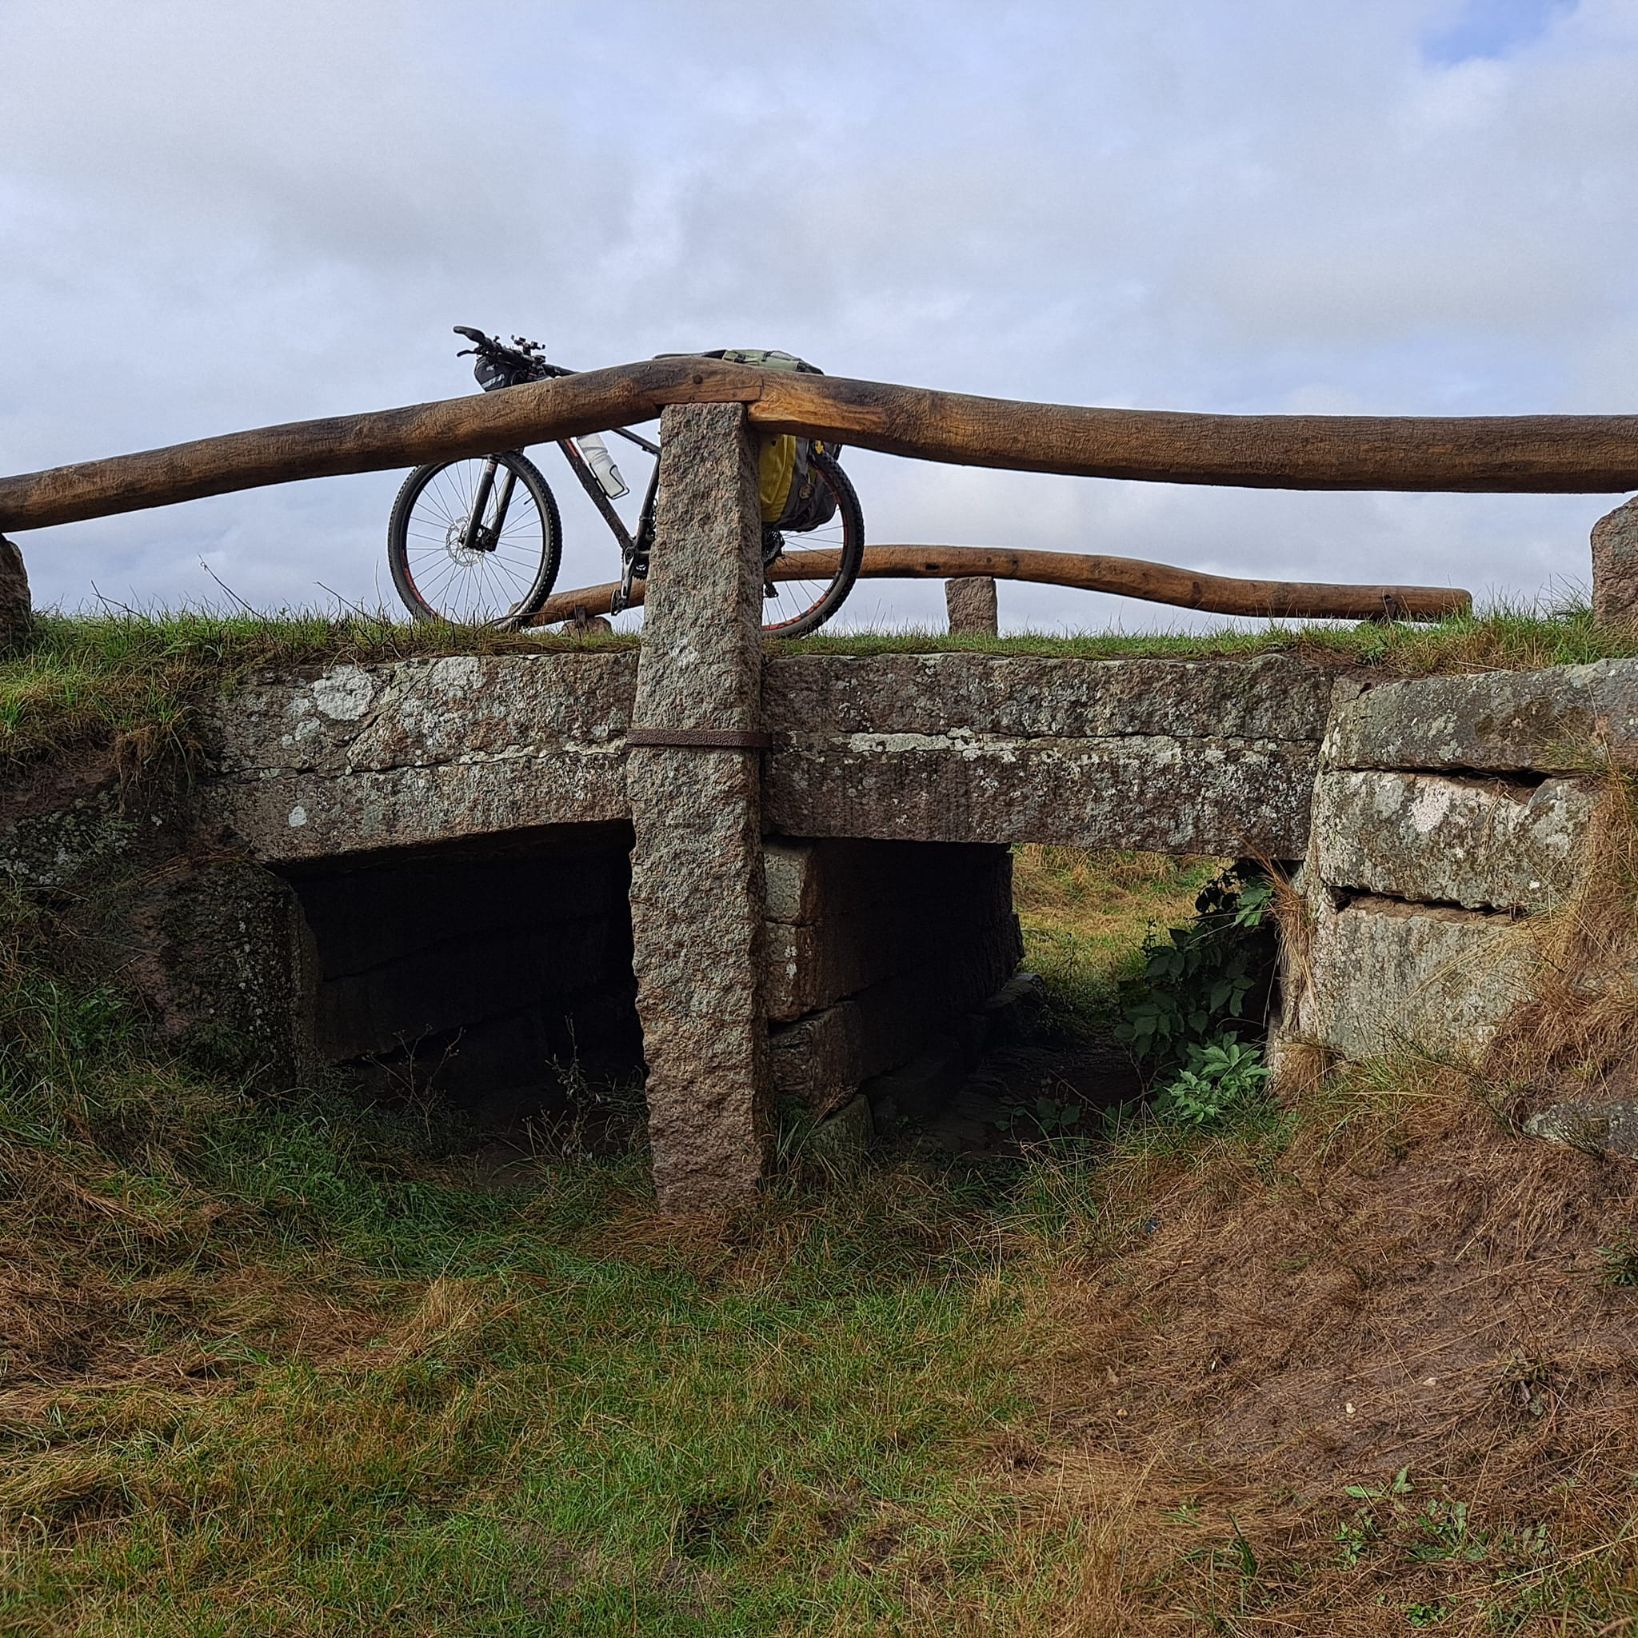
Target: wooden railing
(1517, 454)
(1082, 571)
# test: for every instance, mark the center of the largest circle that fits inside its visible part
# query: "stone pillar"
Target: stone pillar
(696, 869)
(1615, 567)
(16, 609)
(971, 602)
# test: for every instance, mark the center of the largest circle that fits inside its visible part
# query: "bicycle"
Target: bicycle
(479, 541)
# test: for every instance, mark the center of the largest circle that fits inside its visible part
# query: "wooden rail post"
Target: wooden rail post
(696, 806)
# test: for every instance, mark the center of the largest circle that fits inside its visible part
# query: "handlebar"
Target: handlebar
(524, 355)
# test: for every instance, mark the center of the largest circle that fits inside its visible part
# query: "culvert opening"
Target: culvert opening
(495, 976)
(1160, 971)
(1133, 966)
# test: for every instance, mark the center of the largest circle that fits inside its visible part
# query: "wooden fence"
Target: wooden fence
(1515, 454)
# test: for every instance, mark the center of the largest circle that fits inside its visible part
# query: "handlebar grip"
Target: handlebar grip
(471, 334)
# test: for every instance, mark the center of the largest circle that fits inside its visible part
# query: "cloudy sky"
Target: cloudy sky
(227, 214)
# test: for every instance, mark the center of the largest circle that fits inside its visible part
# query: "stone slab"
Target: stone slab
(1602, 1126)
(417, 713)
(1388, 977)
(1482, 844)
(298, 818)
(1569, 719)
(1152, 792)
(1011, 696)
(355, 758)
(1193, 756)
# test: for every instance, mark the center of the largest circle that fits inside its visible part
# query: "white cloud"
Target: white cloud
(219, 215)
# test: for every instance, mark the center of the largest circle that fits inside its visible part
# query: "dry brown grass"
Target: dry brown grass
(1406, 1284)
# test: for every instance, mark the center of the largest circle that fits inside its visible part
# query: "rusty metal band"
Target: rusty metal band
(701, 739)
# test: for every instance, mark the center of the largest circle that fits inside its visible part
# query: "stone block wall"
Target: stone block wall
(875, 949)
(1447, 813)
(214, 946)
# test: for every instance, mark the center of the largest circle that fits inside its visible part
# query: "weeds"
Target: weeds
(1218, 1081)
(1620, 1264)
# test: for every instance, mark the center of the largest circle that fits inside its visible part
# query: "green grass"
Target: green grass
(1084, 916)
(290, 1365)
(557, 1437)
(1503, 638)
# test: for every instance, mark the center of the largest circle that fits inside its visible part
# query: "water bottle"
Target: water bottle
(602, 463)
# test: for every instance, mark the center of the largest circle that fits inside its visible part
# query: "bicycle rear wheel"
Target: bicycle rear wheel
(812, 573)
(446, 570)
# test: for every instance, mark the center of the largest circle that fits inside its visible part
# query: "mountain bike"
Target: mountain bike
(479, 541)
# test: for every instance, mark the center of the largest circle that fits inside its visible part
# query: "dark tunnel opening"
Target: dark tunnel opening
(494, 975)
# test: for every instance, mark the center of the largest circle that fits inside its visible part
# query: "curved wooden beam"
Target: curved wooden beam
(538, 413)
(1121, 576)
(1570, 454)
(1524, 453)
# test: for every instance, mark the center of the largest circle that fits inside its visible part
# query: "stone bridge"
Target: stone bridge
(456, 836)
(1204, 756)
(748, 873)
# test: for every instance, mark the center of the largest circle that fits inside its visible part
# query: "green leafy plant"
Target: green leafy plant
(1620, 1263)
(1052, 1116)
(1220, 1078)
(1207, 981)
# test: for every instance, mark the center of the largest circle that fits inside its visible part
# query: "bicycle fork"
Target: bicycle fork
(478, 536)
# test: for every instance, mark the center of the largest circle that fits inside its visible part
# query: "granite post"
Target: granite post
(697, 875)
(1615, 567)
(970, 600)
(16, 607)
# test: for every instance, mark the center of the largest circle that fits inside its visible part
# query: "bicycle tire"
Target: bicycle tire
(850, 518)
(530, 575)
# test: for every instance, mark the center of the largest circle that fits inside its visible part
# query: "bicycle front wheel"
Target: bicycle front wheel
(467, 571)
(812, 573)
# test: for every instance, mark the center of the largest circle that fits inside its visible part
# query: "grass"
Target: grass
(283, 1364)
(151, 677)
(1504, 638)
(297, 1368)
(1084, 915)
(292, 1366)
(148, 678)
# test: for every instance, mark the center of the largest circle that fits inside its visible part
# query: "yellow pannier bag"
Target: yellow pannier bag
(775, 468)
(789, 493)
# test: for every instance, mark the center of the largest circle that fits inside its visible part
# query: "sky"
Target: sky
(225, 215)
